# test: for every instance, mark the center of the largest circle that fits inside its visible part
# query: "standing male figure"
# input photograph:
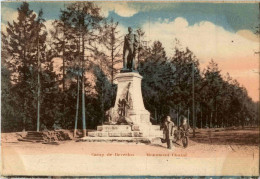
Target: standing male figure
(168, 130)
(130, 46)
(184, 126)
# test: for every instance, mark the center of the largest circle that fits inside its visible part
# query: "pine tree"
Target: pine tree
(103, 90)
(113, 44)
(83, 19)
(214, 90)
(21, 42)
(41, 47)
(156, 72)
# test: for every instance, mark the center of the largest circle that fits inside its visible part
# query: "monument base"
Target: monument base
(127, 70)
(117, 139)
(130, 107)
(150, 131)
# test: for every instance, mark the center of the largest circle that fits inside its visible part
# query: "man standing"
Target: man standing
(168, 130)
(130, 46)
(184, 126)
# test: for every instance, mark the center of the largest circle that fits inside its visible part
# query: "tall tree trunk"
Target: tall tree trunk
(77, 108)
(102, 95)
(24, 76)
(177, 116)
(83, 89)
(83, 106)
(39, 88)
(24, 118)
(206, 124)
(102, 104)
(112, 61)
(63, 76)
(81, 21)
(188, 116)
(155, 116)
(210, 123)
(179, 110)
(201, 118)
(63, 62)
(63, 65)
(222, 121)
(216, 116)
(193, 101)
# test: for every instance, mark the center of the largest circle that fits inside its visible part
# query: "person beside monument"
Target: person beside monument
(168, 130)
(184, 125)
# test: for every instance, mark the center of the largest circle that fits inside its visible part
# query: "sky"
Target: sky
(224, 32)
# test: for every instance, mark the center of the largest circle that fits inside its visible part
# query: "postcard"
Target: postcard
(129, 88)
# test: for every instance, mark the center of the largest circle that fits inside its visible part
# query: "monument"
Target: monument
(128, 117)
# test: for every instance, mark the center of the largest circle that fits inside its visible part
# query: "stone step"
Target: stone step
(109, 128)
(115, 139)
(115, 134)
(151, 133)
(149, 128)
(155, 134)
(137, 130)
(33, 136)
(137, 127)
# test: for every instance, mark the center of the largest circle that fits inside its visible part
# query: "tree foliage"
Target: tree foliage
(90, 49)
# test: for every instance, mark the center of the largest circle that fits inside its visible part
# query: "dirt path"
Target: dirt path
(202, 157)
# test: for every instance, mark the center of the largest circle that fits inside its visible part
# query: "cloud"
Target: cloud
(3, 28)
(48, 24)
(49, 27)
(122, 30)
(121, 8)
(128, 9)
(234, 52)
(9, 14)
(248, 35)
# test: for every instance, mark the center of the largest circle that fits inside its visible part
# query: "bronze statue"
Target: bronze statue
(129, 51)
(122, 107)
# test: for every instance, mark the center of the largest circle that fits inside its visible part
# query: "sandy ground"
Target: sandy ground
(211, 152)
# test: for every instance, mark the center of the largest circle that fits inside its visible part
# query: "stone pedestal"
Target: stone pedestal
(130, 84)
(129, 88)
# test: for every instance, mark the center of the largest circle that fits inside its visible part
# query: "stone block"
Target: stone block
(155, 133)
(135, 128)
(138, 134)
(99, 128)
(92, 134)
(145, 118)
(155, 127)
(112, 128)
(114, 134)
(126, 134)
(102, 134)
